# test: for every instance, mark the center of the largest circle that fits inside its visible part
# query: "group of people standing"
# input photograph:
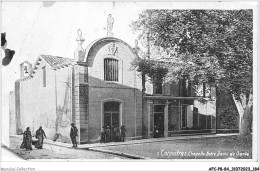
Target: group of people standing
(116, 134)
(27, 139)
(40, 135)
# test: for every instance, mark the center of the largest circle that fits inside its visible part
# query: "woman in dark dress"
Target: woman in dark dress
(40, 135)
(27, 139)
(23, 143)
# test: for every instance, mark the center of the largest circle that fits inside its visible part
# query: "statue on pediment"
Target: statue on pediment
(110, 23)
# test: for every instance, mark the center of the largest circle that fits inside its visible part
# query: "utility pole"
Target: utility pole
(144, 106)
(148, 45)
(148, 35)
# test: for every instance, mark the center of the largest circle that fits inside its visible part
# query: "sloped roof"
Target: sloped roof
(55, 61)
(24, 78)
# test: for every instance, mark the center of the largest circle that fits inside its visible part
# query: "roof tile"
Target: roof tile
(55, 61)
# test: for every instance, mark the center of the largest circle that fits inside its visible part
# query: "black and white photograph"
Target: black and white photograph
(140, 82)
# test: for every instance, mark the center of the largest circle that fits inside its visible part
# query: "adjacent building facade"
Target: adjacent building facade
(99, 88)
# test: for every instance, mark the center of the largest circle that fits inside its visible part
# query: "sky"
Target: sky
(34, 28)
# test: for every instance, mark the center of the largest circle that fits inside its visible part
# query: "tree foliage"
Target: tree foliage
(213, 46)
(151, 68)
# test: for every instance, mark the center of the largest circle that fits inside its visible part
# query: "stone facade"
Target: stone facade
(59, 91)
(126, 91)
(45, 104)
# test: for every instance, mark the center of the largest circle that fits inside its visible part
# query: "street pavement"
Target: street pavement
(8, 155)
(153, 148)
(224, 147)
(53, 151)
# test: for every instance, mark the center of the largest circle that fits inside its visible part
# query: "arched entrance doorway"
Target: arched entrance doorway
(112, 116)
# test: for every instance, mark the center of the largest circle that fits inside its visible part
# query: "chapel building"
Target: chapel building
(99, 87)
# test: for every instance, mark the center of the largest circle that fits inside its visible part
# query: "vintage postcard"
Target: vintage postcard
(90, 83)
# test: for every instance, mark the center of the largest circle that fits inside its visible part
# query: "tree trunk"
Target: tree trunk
(245, 110)
(246, 122)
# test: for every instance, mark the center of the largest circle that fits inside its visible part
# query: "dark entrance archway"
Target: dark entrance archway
(112, 117)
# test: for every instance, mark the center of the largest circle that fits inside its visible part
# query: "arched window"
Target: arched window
(110, 69)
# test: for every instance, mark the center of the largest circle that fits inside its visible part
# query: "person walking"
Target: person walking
(40, 135)
(27, 139)
(23, 143)
(122, 133)
(73, 135)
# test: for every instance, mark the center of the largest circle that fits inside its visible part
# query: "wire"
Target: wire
(26, 36)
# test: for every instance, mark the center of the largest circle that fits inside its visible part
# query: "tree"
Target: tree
(213, 46)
